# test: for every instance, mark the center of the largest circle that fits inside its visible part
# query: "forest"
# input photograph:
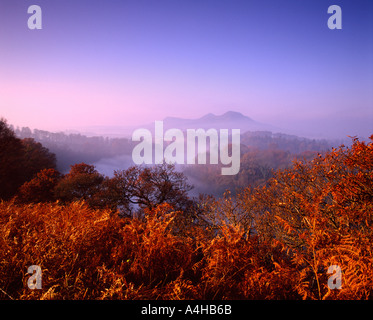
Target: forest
(271, 232)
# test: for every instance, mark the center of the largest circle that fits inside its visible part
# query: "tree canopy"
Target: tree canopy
(20, 160)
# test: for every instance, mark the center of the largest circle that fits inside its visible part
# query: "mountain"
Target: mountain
(228, 120)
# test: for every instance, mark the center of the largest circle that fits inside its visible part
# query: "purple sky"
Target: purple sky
(132, 62)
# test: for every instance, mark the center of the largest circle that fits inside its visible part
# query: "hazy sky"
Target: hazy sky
(119, 62)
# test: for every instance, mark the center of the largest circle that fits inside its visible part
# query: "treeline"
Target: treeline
(129, 192)
(262, 153)
(20, 160)
(28, 175)
(76, 148)
(151, 241)
(263, 140)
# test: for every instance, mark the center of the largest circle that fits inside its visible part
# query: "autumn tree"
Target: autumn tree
(36, 158)
(20, 160)
(137, 188)
(83, 182)
(40, 188)
(11, 176)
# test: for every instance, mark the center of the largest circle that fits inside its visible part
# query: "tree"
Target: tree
(20, 160)
(11, 153)
(83, 182)
(36, 158)
(138, 188)
(40, 188)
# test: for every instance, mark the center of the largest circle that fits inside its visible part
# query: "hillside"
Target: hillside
(314, 217)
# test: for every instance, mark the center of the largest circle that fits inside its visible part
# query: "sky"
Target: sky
(122, 63)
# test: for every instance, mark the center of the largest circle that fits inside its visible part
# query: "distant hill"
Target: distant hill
(228, 120)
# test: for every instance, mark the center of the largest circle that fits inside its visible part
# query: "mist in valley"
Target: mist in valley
(262, 149)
